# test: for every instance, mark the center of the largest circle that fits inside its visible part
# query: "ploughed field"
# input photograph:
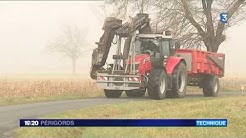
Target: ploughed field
(35, 89)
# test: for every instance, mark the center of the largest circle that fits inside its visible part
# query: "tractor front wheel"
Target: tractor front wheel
(112, 93)
(157, 84)
(179, 81)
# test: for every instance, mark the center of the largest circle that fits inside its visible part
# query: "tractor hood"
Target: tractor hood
(142, 62)
(138, 58)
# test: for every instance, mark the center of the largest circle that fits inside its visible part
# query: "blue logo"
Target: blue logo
(211, 122)
(224, 17)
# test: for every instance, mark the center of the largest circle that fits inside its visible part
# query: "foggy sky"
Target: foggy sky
(26, 28)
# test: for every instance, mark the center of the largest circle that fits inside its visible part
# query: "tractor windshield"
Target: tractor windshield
(152, 46)
(147, 46)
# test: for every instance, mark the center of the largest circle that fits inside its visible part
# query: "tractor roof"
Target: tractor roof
(154, 36)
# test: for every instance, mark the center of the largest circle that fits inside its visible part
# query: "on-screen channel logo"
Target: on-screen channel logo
(224, 17)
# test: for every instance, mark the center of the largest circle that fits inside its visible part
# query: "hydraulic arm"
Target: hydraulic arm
(113, 26)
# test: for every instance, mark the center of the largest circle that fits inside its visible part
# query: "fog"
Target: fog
(26, 28)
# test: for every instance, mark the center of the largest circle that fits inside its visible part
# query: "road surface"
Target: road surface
(10, 115)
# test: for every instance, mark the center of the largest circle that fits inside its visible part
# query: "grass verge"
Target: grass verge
(231, 107)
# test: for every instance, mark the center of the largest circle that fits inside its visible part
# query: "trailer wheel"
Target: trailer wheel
(211, 86)
(179, 81)
(135, 93)
(112, 93)
(157, 84)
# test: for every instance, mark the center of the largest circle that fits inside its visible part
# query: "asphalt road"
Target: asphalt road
(10, 115)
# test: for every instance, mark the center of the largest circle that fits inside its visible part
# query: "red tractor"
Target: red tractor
(153, 63)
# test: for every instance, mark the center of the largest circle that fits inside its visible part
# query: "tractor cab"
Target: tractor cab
(159, 47)
(153, 44)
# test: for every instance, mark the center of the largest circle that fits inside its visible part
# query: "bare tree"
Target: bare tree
(195, 23)
(71, 43)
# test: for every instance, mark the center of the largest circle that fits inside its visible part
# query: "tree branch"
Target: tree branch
(232, 9)
(206, 4)
(189, 16)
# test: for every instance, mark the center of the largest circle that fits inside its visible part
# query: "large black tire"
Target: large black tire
(211, 86)
(112, 93)
(179, 81)
(135, 93)
(157, 84)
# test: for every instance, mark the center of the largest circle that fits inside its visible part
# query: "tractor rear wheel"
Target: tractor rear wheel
(179, 82)
(135, 93)
(112, 93)
(211, 86)
(157, 84)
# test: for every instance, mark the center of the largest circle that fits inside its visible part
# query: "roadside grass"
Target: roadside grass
(231, 89)
(231, 107)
